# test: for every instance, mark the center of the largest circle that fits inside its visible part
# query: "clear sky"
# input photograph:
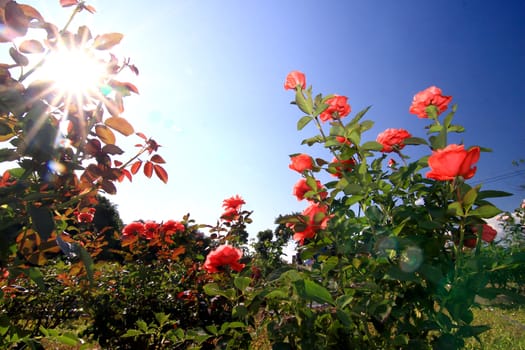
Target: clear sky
(211, 88)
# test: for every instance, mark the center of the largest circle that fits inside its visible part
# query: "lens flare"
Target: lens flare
(411, 259)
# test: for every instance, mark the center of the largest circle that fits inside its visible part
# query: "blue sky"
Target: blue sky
(211, 88)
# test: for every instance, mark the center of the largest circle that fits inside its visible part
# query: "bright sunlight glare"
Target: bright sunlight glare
(74, 72)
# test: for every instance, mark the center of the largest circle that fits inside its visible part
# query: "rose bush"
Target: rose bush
(388, 255)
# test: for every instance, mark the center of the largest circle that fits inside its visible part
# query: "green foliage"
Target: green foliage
(388, 257)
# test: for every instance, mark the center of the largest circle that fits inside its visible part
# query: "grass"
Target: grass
(507, 323)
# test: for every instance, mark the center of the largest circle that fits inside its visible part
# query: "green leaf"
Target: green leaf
(240, 311)
(43, 222)
(456, 128)
(313, 291)
(143, 326)
(36, 276)
(303, 122)
(470, 197)
(351, 189)
(68, 339)
(366, 125)
(492, 194)
(132, 333)
(456, 208)
(161, 318)
(214, 289)
(85, 257)
(242, 283)
(359, 115)
(415, 141)
(303, 104)
(485, 211)
(372, 146)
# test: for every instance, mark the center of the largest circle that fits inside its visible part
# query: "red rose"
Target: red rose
(230, 214)
(315, 218)
(234, 202)
(392, 139)
(342, 166)
(86, 216)
(224, 255)
(487, 235)
(451, 161)
(150, 229)
(172, 226)
(294, 79)
(133, 229)
(301, 163)
(338, 107)
(301, 187)
(430, 96)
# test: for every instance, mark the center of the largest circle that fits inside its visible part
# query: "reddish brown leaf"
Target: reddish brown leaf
(19, 59)
(136, 166)
(148, 169)
(83, 34)
(117, 163)
(31, 46)
(120, 124)
(16, 19)
(31, 13)
(157, 159)
(89, 8)
(125, 174)
(67, 3)
(109, 187)
(112, 149)
(123, 87)
(141, 135)
(161, 173)
(107, 41)
(105, 134)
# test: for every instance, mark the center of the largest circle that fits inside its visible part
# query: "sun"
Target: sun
(75, 74)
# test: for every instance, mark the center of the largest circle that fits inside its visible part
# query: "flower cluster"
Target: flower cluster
(224, 255)
(150, 230)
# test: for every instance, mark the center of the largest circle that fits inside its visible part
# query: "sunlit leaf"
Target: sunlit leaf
(105, 134)
(123, 87)
(16, 19)
(120, 124)
(303, 122)
(313, 291)
(485, 211)
(148, 169)
(31, 46)
(67, 3)
(161, 173)
(31, 13)
(107, 41)
(136, 166)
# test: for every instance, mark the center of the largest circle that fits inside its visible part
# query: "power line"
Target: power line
(501, 177)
